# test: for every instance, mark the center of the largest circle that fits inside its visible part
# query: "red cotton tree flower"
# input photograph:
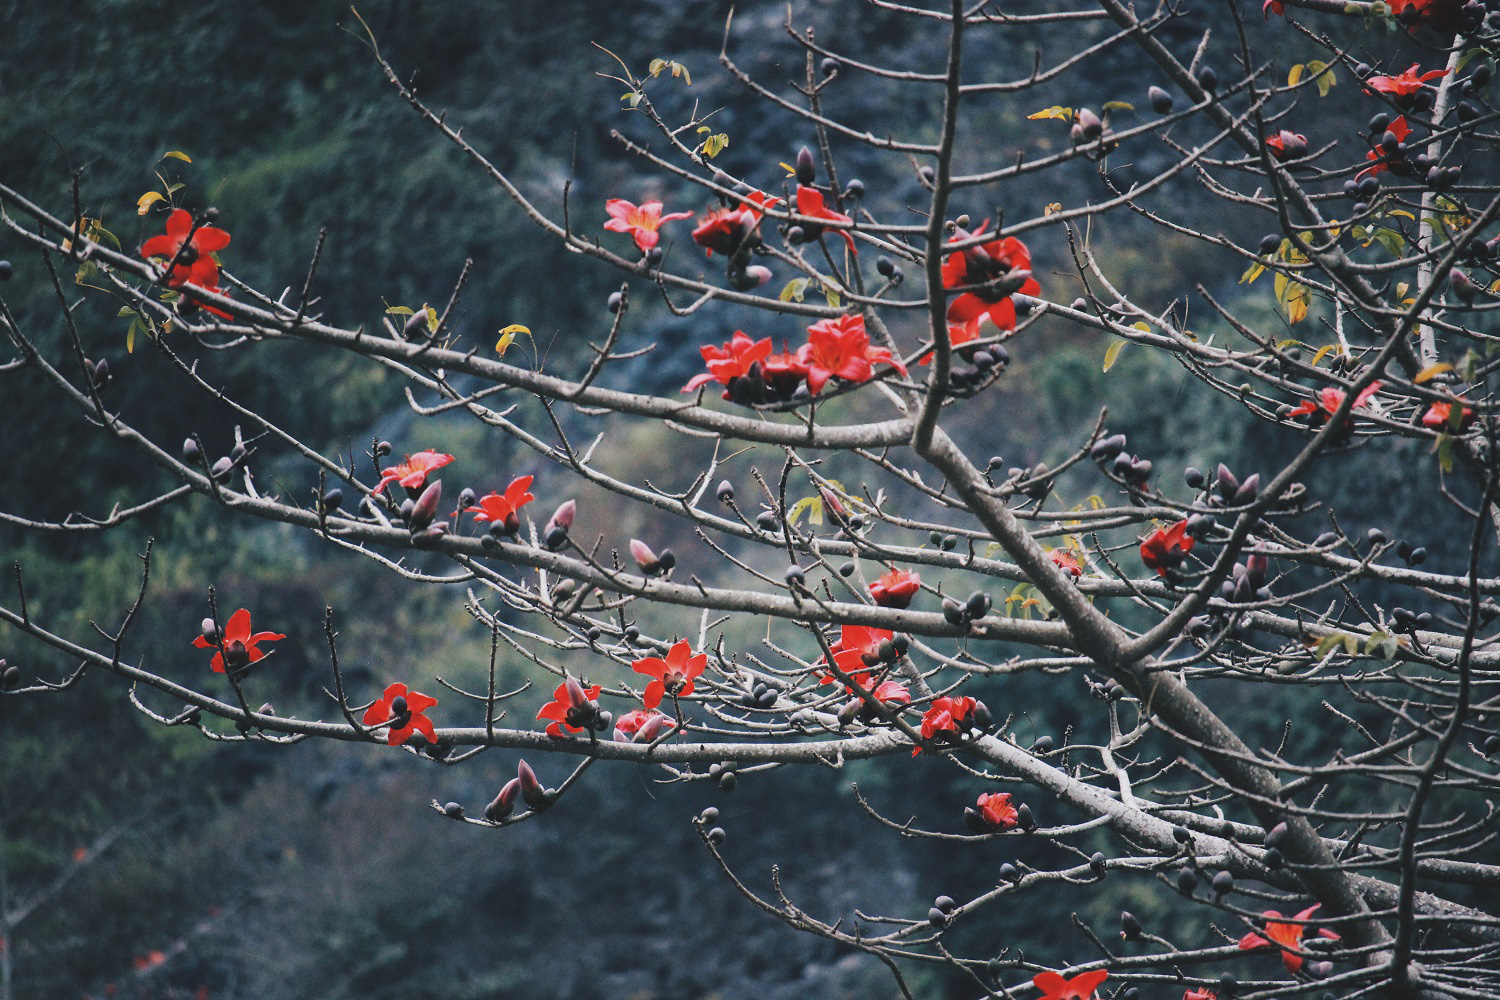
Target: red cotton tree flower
(1404, 84)
(673, 675)
(188, 251)
(405, 711)
(725, 230)
(573, 707)
(413, 472)
(1164, 549)
(240, 644)
(895, 588)
(1055, 986)
(811, 204)
(733, 360)
(840, 348)
(1286, 936)
(996, 811)
(503, 508)
(1001, 268)
(641, 221)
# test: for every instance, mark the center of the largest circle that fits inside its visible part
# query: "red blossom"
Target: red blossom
(412, 473)
(726, 230)
(895, 589)
(840, 348)
(1204, 994)
(858, 648)
(502, 507)
(959, 334)
(640, 221)
(1330, 399)
(404, 710)
(1440, 415)
(1081, 987)
(570, 709)
(1286, 936)
(1287, 145)
(733, 360)
(1164, 549)
(641, 725)
(191, 254)
(1404, 84)
(674, 675)
(944, 717)
(238, 640)
(1272, 7)
(1380, 160)
(1067, 560)
(996, 810)
(982, 265)
(811, 204)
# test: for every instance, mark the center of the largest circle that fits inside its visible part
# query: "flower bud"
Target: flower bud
(426, 506)
(1462, 285)
(807, 170)
(558, 525)
(331, 501)
(1247, 492)
(531, 789)
(505, 802)
(1223, 883)
(652, 729)
(415, 325)
(1161, 101)
(1089, 124)
(236, 655)
(1130, 926)
(210, 630)
(644, 557)
(222, 467)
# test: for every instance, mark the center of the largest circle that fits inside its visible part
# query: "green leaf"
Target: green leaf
(811, 506)
(1117, 106)
(795, 289)
(715, 144)
(399, 310)
(1444, 448)
(831, 296)
(1112, 353)
(126, 311)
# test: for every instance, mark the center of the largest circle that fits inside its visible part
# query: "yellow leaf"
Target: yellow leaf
(1297, 302)
(1112, 353)
(1323, 352)
(1402, 212)
(1057, 111)
(177, 154)
(791, 170)
(144, 202)
(1294, 76)
(1142, 326)
(1432, 372)
(508, 337)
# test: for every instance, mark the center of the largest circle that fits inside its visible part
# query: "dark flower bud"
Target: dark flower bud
(505, 802)
(1161, 101)
(222, 468)
(709, 815)
(1187, 881)
(415, 325)
(767, 521)
(901, 642)
(945, 903)
(1227, 982)
(1227, 483)
(725, 492)
(829, 66)
(426, 506)
(981, 719)
(1223, 883)
(885, 267)
(1042, 744)
(1376, 536)
(1090, 124)
(1097, 863)
(975, 821)
(727, 781)
(1418, 556)
(466, 498)
(953, 612)
(928, 175)
(796, 235)
(716, 836)
(832, 506)
(745, 278)
(1269, 244)
(1273, 859)
(6, 270)
(646, 559)
(1390, 143)
(855, 189)
(668, 560)
(531, 789)
(615, 302)
(937, 918)
(849, 711)
(1008, 871)
(236, 655)
(453, 810)
(1122, 465)
(1247, 492)
(1208, 79)
(1468, 111)
(331, 501)
(1351, 189)
(100, 374)
(1369, 187)
(210, 630)
(191, 452)
(795, 575)
(1130, 926)
(1076, 135)
(1277, 835)
(10, 676)
(1181, 834)
(1320, 970)
(807, 170)
(1462, 285)
(1107, 448)
(1491, 743)
(1024, 819)
(977, 604)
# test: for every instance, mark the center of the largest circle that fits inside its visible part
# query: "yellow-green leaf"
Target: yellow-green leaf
(1118, 106)
(177, 154)
(1057, 111)
(1295, 76)
(1431, 372)
(144, 202)
(811, 506)
(715, 144)
(795, 289)
(1112, 353)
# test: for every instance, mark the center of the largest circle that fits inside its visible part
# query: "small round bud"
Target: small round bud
(1130, 926)
(1273, 859)
(1194, 477)
(453, 810)
(1161, 101)
(885, 267)
(846, 569)
(615, 302)
(1042, 744)
(795, 576)
(709, 815)
(382, 448)
(717, 836)
(1187, 881)
(1008, 872)
(727, 781)
(1223, 883)
(725, 492)
(937, 918)
(6, 270)
(944, 903)
(855, 189)
(829, 66)
(1208, 79)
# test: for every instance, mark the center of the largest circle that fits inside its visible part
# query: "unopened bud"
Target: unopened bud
(505, 802)
(425, 509)
(807, 170)
(644, 557)
(1089, 124)
(531, 789)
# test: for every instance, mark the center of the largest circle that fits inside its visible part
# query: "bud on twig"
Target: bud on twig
(425, 509)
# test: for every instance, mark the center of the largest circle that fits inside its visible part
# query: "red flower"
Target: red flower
(733, 360)
(1287, 145)
(570, 709)
(238, 641)
(642, 725)
(1330, 399)
(944, 717)
(1439, 415)
(1381, 160)
(1286, 936)
(403, 709)
(785, 371)
(858, 647)
(1444, 15)
(840, 348)
(1204, 994)
(1165, 548)
(996, 810)
(640, 221)
(1067, 560)
(726, 230)
(502, 507)
(1272, 7)
(959, 334)
(1405, 84)
(985, 264)
(208, 286)
(193, 263)
(674, 675)
(1080, 987)
(412, 473)
(895, 589)
(811, 204)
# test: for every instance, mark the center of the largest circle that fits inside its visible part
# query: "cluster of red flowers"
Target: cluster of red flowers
(1403, 84)
(993, 272)
(188, 250)
(835, 349)
(1165, 548)
(949, 719)
(1439, 417)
